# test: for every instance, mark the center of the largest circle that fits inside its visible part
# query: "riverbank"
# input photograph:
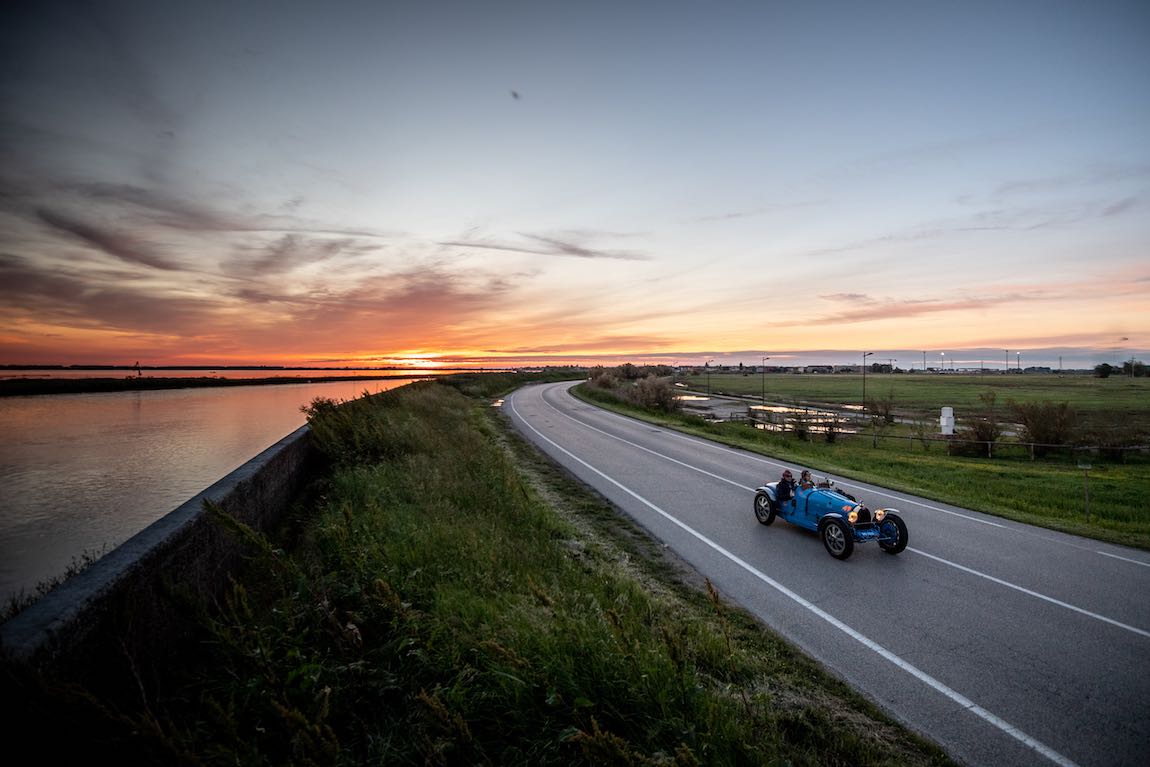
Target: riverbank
(16, 387)
(446, 595)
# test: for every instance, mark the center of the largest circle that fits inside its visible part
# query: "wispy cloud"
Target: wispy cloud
(186, 214)
(759, 211)
(590, 345)
(292, 251)
(998, 219)
(550, 245)
(866, 309)
(112, 242)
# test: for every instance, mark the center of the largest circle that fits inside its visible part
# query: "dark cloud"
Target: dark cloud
(23, 284)
(590, 344)
(180, 213)
(164, 209)
(115, 244)
(292, 251)
(113, 301)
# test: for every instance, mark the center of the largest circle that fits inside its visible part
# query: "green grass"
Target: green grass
(449, 596)
(1048, 493)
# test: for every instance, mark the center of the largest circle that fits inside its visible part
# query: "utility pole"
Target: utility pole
(865, 355)
(763, 371)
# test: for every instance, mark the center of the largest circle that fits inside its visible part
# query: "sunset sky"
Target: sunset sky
(494, 183)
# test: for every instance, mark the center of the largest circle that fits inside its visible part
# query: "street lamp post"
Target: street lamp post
(942, 362)
(763, 372)
(708, 366)
(1018, 356)
(1007, 353)
(865, 355)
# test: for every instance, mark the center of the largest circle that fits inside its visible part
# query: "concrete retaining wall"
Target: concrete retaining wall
(108, 622)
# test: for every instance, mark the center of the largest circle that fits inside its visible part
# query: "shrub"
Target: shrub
(655, 394)
(1045, 424)
(980, 433)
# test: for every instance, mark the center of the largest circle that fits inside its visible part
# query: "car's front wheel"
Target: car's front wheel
(894, 534)
(764, 509)
(837, 539)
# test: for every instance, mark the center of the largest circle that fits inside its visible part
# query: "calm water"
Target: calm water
(81, 472)
(301, 373)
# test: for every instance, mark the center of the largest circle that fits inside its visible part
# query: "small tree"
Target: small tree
(882, 408)
(1104, 370)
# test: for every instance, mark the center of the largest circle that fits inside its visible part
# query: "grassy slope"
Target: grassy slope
(452, 597)
(1049, 494)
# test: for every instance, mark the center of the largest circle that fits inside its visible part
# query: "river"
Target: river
(82, 473)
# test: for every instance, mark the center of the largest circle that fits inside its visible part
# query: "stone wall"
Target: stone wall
(105, 625)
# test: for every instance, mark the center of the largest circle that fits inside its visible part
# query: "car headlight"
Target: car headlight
(879, 514)
(853, 516)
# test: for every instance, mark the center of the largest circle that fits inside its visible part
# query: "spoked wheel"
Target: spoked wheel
(837, 539)
(894, 530)
(764, 509)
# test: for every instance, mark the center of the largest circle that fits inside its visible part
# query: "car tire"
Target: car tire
(837, 538)
(764, 509)
(896, 546)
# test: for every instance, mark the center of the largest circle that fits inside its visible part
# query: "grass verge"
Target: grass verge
(449, 596)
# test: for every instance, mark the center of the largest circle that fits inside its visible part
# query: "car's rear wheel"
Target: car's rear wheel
(764, 509)
(837, 538)
(894, 530)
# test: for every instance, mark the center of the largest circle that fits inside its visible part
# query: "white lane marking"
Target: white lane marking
(867, 642)
(1124, 559)
(971, 571)
(664, 456)
(1034, 594)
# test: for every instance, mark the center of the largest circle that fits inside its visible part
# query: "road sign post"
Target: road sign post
(1086, 485)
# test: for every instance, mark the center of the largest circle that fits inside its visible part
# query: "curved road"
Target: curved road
(1004, 643)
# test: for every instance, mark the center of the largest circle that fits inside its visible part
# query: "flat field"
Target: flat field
(1099, 402)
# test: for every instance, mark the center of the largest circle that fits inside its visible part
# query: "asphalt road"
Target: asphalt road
(1002, 642)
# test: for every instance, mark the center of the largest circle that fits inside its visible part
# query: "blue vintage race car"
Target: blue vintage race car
(836, 516)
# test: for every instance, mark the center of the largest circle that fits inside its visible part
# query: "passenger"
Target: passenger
(806, 482)
(785, 489)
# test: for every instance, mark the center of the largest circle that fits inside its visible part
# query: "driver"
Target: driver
(785, 489)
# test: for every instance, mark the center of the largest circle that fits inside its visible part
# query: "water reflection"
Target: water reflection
(84, 472)
(790, 418)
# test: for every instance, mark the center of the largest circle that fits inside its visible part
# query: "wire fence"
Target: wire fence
(821, 425)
